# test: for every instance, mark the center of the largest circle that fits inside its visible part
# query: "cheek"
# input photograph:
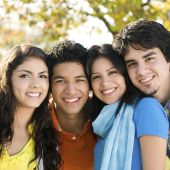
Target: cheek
(95, 86)
(85, 90)
(131, 74)
(122, 85)
(46, 85)
(55, 91)
(16, 84)
(97, 93)
(15, 93)
(19, 86)
(123, 88)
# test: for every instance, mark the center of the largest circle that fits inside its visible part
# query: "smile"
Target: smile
(72, 100)
(30, 94)
(146, 80)
(108, 91)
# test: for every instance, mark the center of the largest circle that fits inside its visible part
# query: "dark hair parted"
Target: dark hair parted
(106, 51)
(44, 134)
(67, 51)
(143, 34)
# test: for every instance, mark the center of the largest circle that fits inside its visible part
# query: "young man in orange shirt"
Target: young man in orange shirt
(69, 106)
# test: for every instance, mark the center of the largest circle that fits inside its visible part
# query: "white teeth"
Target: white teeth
(146, 79)
(71, 100)
(33, 94)
(108, 91)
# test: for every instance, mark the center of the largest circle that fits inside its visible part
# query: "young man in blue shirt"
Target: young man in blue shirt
(145, 47)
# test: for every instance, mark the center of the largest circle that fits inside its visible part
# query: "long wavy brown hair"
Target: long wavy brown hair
(44, 134)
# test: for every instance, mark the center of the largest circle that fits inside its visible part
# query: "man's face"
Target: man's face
(70, 88)
(149, 72)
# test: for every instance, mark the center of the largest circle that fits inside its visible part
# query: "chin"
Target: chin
(150, 92)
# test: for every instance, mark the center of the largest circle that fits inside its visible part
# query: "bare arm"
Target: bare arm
(153, 152)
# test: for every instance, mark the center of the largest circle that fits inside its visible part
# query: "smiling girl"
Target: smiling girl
(27, 137)
(132, 131)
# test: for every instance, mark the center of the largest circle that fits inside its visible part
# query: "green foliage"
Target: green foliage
(122, 12)
(49, 20)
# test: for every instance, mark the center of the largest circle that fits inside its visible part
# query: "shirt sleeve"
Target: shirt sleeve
(150, 118)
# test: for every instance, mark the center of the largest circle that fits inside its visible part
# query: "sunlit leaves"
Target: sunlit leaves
(48, 21)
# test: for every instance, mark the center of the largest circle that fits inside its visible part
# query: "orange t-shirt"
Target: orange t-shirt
(77, 151)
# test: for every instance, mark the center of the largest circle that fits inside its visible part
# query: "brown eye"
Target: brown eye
(113, 72)
(44, 76)
(59, 81)
(131, 65)
(95, 77)
(23, 76)
(149, 59)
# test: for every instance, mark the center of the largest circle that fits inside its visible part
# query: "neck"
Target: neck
(164, 97)
(22, 117)
(163, 93)
(69, 123)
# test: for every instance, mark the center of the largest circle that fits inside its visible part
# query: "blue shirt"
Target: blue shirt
(149, 119)
(98, 153)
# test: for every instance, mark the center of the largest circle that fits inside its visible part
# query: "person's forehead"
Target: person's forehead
(75, 63)
(69, 68)
(137, 50)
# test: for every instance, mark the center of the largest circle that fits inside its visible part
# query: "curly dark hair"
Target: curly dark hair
(44, 134)
(106, 51)
(143, 34)
(69, 51)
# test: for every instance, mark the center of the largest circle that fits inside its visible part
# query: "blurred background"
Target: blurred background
(45, 22)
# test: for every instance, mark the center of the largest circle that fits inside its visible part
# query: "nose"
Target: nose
(71, 88)
(141, 69)
(105, 81)
(35, 83)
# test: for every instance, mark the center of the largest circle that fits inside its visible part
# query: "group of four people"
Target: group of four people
(122, 126)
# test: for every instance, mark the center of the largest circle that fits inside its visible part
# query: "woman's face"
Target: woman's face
(30, 83)
(107, 83)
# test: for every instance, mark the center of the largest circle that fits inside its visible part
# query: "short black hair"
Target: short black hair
(143, 34)
(67, 51)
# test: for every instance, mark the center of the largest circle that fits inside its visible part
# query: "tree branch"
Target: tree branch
(146, 3)
(101, 17)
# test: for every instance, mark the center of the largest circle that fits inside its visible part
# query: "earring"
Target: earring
(90, 94)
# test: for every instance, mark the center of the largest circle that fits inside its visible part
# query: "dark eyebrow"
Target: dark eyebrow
(149, 54)
(144, 56)
(24, 71)
(27, 71)
(111, 68)
(81, 76)
(57, 77)
(128, 61)
(106, 70)
(43, 72)
(61, 77)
